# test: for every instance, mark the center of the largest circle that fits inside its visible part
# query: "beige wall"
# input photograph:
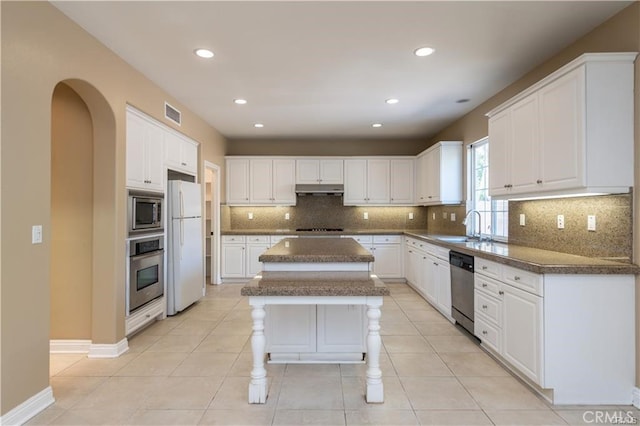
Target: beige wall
(71, 215)
(40, 48)
(336, 146)
(621, 33)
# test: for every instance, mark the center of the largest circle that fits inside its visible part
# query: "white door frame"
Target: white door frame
(215, 222)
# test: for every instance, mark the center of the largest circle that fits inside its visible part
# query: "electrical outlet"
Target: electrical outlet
(365, 215)
(453, 217)
(250, 216)
(591, 222)
(522, 222)
(410, 216)
(286, 216)
(560, 221)
(36, 234)
(433, 216)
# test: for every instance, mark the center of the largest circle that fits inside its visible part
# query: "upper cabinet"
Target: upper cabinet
(571, 133)
(260, 181)
(439, 174)
(145, 169)
(324, 170)
(382, 181)
(180, 153)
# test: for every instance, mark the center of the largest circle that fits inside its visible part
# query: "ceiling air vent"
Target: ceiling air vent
(172, 114)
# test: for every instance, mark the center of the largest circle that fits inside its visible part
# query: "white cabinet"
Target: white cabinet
(233, 257)
(259, 181)
(387, 251)
(290, 328)
(323, 170)
(402, 181)
(180, 153)
(439, 174)
(509, 315)
(144, 153)
(237, 181)
(256, 245)
(570, 133)
(366, 181)
(428, 271)
(295, 332)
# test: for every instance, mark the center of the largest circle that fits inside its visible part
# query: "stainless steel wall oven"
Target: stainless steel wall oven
(146, 271)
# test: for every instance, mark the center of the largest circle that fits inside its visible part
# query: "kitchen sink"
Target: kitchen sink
(456, 239)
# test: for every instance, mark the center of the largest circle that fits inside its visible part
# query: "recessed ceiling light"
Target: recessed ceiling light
(462, 101)
(392, 101)
(424, 51)
(258, 125)
(204, 53)
(240, 101)
(376, 125)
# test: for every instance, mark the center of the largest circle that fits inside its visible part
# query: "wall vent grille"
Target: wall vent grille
(172, 114)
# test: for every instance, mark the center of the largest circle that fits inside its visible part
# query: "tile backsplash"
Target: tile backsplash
(611, 239)
(323, 212)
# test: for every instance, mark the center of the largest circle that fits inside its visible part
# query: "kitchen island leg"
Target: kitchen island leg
(375, 391)
(258, 385)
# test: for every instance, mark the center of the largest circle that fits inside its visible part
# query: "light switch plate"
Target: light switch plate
(410, 216)
(453, 217)
(522, 221)
(250, 216)
(560, 221)
(433, 216)
(365, 215)
(591, 222)
(36, 234)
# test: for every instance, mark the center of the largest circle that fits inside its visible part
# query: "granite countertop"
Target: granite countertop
(532, 259)
(526, 258)
(315, 284)
(316, 250)
(347, 231)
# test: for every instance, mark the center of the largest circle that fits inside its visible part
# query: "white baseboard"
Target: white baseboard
(60, 346)
(636, 397)
(28, 409)
(97, 350)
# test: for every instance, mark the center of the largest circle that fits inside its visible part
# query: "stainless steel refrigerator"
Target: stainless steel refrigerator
(185, 255)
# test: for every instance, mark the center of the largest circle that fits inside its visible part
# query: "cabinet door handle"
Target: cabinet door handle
(435, 263)
(484, 268)
(484, 306)
(539, 181)
(184, 164)
(501, 292)
(484, 285)
(516, 278)
(484, 332)
(424, 258)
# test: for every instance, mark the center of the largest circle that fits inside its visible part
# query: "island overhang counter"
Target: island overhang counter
(316, 272)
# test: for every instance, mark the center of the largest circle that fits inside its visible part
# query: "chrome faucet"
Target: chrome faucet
(464, 222)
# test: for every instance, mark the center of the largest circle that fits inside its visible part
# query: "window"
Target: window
(494, 213)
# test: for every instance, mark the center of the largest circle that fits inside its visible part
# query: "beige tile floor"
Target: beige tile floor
(193, 369)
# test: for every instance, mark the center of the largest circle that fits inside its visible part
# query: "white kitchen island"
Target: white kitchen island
(326, 278)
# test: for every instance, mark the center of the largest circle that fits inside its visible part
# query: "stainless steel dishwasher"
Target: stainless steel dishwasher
(462, 291)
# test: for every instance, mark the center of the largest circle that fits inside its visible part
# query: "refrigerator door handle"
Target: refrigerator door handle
(181, 237)
(181, 204)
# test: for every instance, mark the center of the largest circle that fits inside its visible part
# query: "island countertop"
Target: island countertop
(316, 250)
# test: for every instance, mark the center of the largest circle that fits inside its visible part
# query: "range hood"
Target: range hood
(320, 189)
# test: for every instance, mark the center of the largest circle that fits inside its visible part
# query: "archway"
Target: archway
(99, 208)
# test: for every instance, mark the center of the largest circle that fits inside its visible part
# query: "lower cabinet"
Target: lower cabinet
(297, 332)
(572, 336)
(387, 250)
(428, 272)
(240, 253)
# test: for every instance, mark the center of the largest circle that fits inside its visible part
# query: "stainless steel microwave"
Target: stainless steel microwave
(144, 213)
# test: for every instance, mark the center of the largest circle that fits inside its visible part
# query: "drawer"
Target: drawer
(488, 268)
(238, 239)
(488, 285)
(387, 239)
(489, 307)
(275, 239)
(524, 280)
(442, 253)
(264, 239)
(489, 334)
(362, 239)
